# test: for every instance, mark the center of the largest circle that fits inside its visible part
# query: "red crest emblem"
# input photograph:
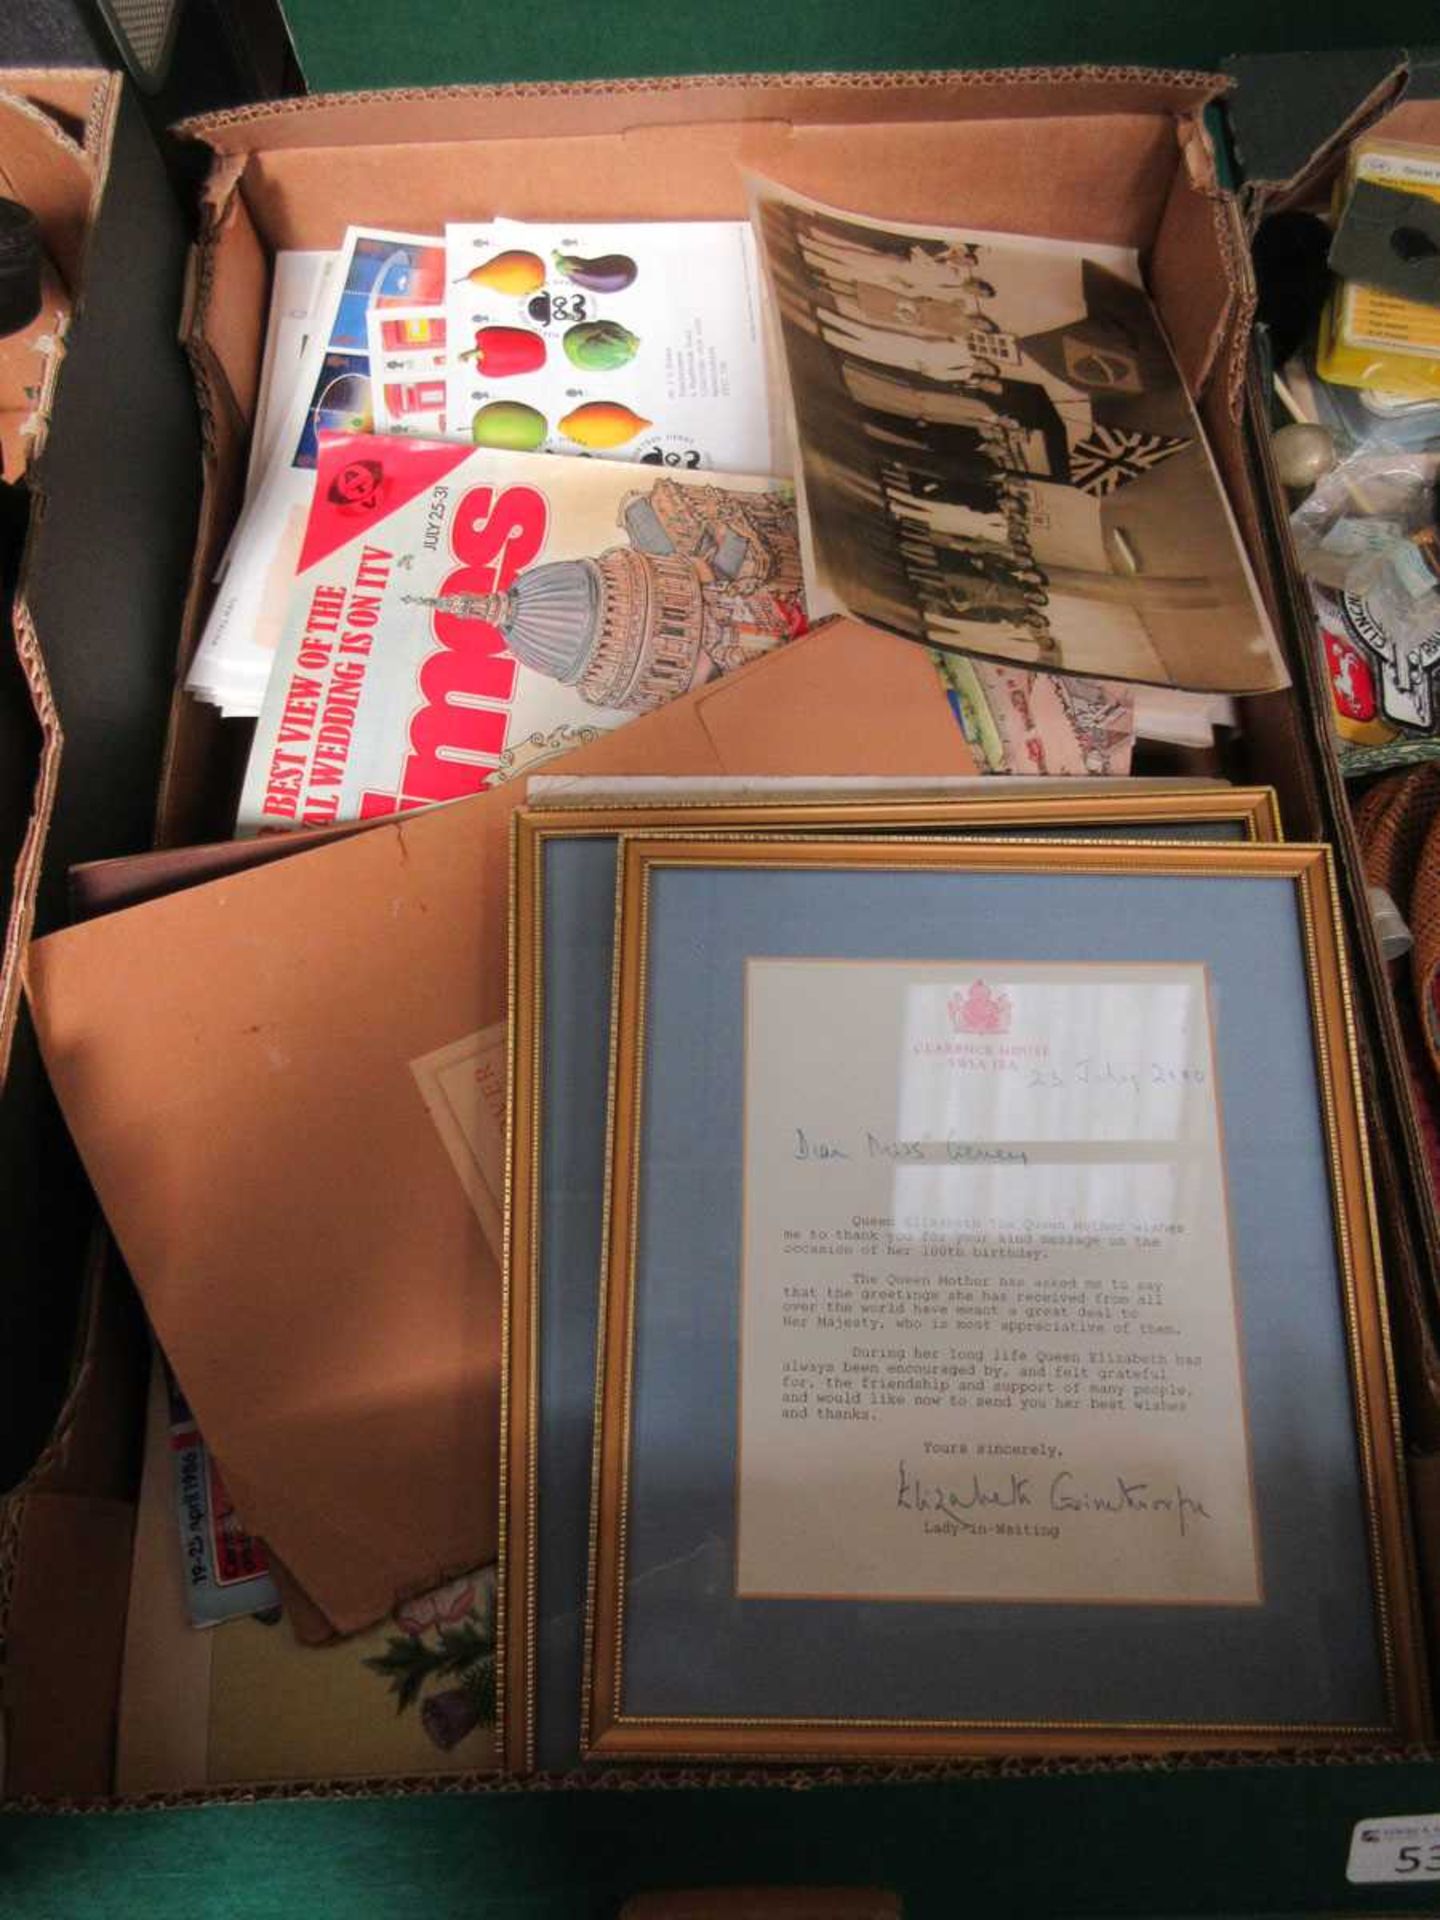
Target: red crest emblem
(979, 1009)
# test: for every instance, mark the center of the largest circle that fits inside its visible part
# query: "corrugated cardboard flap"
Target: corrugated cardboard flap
(60, 178)
(441, 114)
(52, 174)
(78, 99)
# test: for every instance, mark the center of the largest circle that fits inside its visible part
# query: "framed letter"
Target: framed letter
(561, 947)
(565, 860)
(993, 1348)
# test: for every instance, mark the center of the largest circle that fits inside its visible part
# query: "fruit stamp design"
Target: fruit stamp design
(635, 342)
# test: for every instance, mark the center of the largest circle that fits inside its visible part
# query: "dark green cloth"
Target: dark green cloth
(1253, 1841)
(388, 43)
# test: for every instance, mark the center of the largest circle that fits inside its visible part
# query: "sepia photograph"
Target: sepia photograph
(998, 454)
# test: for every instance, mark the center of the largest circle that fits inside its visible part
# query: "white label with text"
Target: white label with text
(1395, 1847)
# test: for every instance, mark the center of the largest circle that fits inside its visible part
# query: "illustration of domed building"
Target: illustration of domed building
(712, 579)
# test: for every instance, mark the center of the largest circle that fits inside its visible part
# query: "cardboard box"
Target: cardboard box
(1119, 157)
(103, 426)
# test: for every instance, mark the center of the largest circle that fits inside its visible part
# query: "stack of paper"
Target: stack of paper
(631, 342)
(318, 377)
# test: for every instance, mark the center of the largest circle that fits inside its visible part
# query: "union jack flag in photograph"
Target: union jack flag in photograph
(1109, 458)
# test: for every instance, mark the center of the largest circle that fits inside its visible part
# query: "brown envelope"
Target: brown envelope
(104, 886)
(288, 1089)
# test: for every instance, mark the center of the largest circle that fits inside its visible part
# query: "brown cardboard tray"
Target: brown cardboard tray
(1117, 156)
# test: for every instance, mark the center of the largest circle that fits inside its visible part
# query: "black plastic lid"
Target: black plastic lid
(19, 267)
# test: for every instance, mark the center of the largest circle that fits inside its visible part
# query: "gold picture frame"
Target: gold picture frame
(612, 1731)
(991, 807)
(990, 804)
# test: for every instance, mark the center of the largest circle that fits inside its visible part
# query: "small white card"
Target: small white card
(1395, 1847)
(463, 1087)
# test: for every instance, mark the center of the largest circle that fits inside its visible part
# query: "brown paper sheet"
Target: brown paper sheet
(237, 1063)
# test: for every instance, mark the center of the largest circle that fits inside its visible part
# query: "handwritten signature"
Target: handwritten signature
(1063, 1493)
(950, 1151)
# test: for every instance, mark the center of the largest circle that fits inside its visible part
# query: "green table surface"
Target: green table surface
(1260, 1840)
(387, 43)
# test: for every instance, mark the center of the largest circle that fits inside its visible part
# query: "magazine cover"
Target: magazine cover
(998, 454)
(459, 616)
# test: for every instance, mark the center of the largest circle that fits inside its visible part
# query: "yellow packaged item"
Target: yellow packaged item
(1370, 337)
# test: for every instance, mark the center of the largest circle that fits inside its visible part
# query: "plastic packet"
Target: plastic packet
(1361, 521)
(1367, 541)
